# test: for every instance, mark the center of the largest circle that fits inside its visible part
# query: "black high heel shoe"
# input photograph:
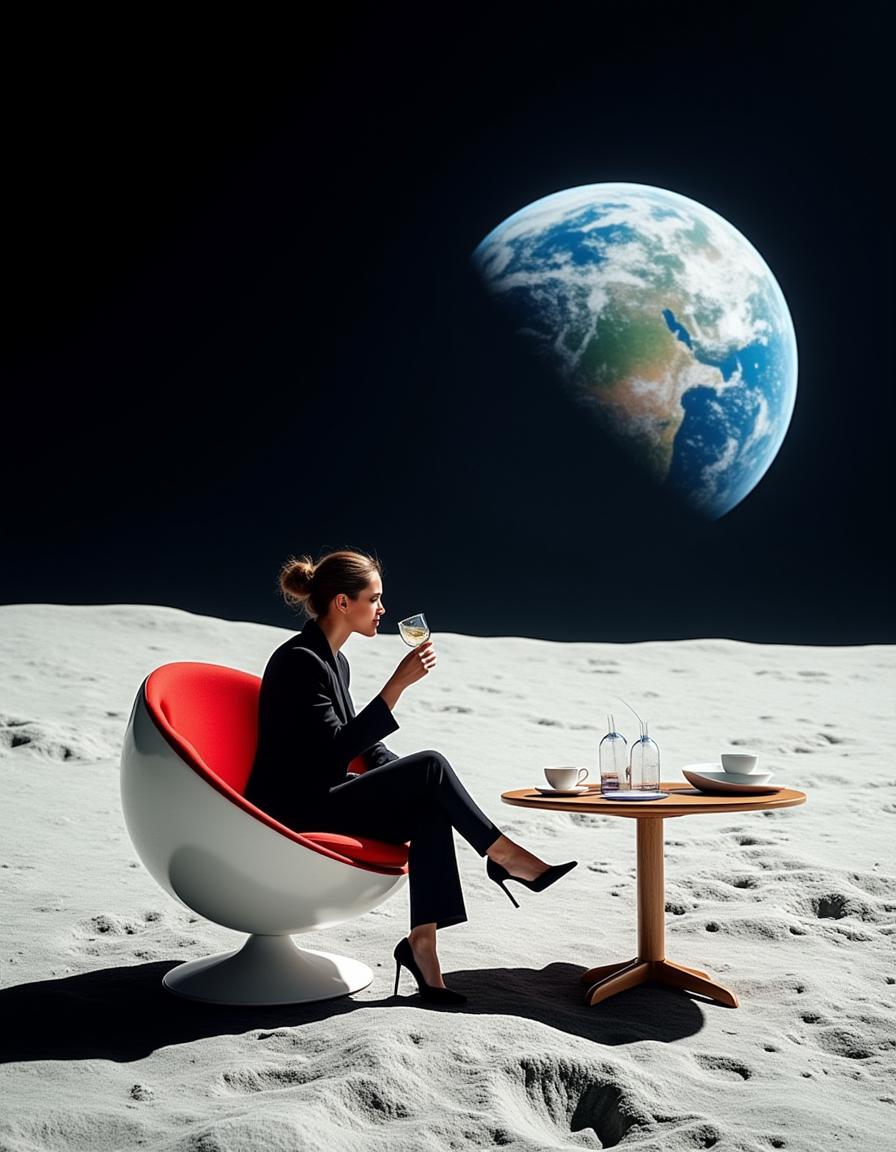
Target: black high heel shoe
(499, 874)
(404, 955)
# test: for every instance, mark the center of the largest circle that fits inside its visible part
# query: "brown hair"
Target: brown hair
(311, 586)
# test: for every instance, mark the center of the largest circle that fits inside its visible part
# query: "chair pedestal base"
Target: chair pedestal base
(268, 970)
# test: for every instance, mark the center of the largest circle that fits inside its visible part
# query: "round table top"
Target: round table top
(684, 801)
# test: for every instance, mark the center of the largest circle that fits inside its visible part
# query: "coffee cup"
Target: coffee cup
(740, 763)
(563, 779)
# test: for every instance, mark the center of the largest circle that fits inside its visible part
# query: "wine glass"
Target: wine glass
(414, 630)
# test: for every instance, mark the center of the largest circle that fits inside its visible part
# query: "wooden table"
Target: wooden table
(651, 963)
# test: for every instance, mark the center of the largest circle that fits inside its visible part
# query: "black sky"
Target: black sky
(243, 322)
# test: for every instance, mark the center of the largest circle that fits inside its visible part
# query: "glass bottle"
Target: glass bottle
(644, 766)
(612, 756)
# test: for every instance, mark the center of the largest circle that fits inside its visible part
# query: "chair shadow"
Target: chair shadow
(125, 1013)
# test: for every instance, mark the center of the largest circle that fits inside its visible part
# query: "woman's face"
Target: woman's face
(364, 612)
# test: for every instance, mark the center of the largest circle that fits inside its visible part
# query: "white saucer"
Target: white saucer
(722, 782)
(629, 796)
(546, 790)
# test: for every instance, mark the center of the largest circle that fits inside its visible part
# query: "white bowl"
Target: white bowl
(739, 763)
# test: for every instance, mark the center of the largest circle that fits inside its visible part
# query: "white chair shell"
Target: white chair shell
(219, 860)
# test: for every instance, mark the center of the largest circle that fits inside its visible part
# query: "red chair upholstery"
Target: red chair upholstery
(208, 713)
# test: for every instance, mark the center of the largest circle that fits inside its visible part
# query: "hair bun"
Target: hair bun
(296, 576)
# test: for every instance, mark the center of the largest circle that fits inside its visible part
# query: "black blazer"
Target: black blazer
(308, 732)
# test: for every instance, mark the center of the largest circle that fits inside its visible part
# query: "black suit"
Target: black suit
(308, 734)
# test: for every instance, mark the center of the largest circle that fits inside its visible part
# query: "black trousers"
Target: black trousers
(416, 798)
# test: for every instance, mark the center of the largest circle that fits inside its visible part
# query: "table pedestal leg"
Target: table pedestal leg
(651, 963)
(595, 974)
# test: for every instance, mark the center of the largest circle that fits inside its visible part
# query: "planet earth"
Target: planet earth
(660, 319)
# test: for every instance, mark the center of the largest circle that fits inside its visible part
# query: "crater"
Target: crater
(378, 1100)
(704, 1136)
(830, 907)
(107, 924)
(723, 1067)
(762, 927)
(845, 1042)
(250, 1080)
(573, 1097)
(53, 742)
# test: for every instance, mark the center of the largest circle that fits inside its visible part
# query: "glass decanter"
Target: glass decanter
(644, 765)
(612, 757)
(644, 759)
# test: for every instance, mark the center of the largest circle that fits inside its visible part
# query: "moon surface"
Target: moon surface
(794, 909)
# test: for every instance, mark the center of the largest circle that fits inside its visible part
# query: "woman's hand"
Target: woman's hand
(416, 664)
(411, 668)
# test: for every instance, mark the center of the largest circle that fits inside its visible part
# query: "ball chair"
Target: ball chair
(187, 755)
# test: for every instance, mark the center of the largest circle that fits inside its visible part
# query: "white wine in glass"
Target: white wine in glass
(414, 630)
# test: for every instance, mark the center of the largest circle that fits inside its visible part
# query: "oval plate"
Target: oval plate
(707, 784)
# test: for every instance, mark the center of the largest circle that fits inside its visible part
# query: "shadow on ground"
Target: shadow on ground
(125, 1013)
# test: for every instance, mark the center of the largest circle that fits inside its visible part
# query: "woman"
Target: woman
(310, 744)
